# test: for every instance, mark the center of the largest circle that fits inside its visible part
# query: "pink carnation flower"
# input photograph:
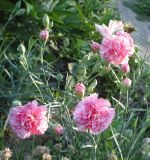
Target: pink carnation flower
(44, 34)
(115, 49)
(95, 46)
(112, 27)
(131, 42)
(93, 114)
(80, 88)
(28, 120)
(59, 130)
(125, 68)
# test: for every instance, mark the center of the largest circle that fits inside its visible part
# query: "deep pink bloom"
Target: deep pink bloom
(80, 88)
(93, 113)
(112, 28)
(95, 46)
(131, 42)
(125, 68)
(29, 119)
(44, 35)
(59, 130)
(127, 82)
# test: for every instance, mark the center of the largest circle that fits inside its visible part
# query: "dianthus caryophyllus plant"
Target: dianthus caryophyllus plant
(95, 46)
(59, 130)
(44, 34)
(125, 68)
(29, 119)
(80, 88)
(127, 82)
(94, 114)
(117, 45)
(112, 27)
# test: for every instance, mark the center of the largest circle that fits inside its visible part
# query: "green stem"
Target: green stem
(42, 51)
(95, 148)
(115, 74)
(115, 139)
(127, 103)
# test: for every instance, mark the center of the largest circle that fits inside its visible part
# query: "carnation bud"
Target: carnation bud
(58, 146)
(95, 46)
(80, 89)
(106, 69)
(44, 34)
(21, 48)
(46, 21)
(125, 68)
(92, 86)
(145, 146)
(64, 158)
(129, 28)
(40, 150)
(16, 103)
(127, 83)
(113, 157)
(71, 148)
(59, 130)
(46, 156)
(28, 157)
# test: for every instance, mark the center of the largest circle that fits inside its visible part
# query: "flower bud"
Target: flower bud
(58, 146)
(46, 21)
(44, 34)
(80, 89)
(21, 48)
(127, 83)
(59, 130)
(95, 46)
(64, 158)
(113, 157)
(40, 150)
(28, 157)
(46, 156)
(16, 103)
(125, 68)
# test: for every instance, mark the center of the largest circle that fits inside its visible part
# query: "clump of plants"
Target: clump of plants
(90, 106)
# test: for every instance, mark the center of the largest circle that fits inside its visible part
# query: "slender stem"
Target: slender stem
(95, 148)
(116, 142)
(127, 103)
(42, 51)
(115, 74)
(33, 143)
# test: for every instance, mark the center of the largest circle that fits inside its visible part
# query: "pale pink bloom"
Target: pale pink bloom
(103, 30)
(95, 46)
(125, 68)
(112, 28)
(115, 49)
(130, 39)
(80, 88)
(127, 82)
(44, 34)
(59, 130)
(29, 119)
(94, 114)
